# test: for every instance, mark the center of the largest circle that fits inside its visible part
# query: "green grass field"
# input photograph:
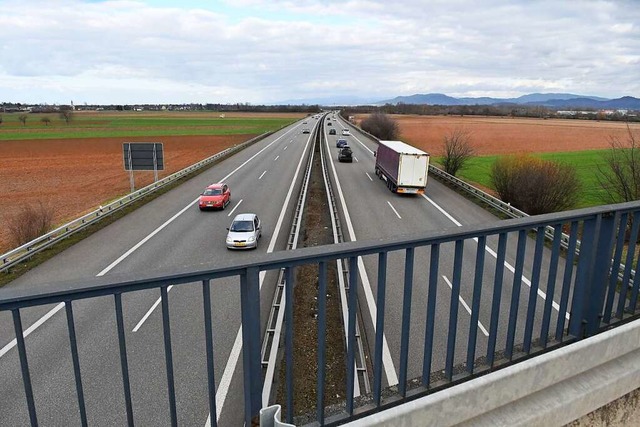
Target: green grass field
(125, 124)
(586, 163)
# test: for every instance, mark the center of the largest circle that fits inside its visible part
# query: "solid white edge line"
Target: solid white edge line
(387, 361)
(495, 255)
(153, 307)
(235, 207)
(227, 375)
(466, 306)
(394, 209)
(31, 328)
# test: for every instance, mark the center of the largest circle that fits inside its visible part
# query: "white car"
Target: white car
(244, 232)
(345, 132)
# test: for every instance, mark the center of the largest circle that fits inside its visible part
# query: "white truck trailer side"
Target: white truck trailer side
(403, 167)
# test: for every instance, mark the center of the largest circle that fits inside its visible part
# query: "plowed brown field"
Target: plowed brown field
(75, 176)
(496, 135)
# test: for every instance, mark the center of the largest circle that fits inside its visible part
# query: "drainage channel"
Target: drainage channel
(316, 222)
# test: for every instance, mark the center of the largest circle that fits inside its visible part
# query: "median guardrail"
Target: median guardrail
(45, 241)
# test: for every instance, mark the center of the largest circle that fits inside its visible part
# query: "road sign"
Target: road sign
(143, 156)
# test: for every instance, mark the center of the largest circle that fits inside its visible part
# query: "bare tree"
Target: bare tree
(46, 121)
(535, 186)
(620, 175)
(30, 222)
(457, 150)
(23, 119)
(66, 115)
(381, 125)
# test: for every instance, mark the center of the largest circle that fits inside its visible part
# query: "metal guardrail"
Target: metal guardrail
(521, 325)
(497, 204)
(31, 248)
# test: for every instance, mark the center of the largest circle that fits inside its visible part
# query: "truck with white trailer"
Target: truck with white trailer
(403, 167)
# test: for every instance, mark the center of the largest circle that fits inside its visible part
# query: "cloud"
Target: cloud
(265, 51)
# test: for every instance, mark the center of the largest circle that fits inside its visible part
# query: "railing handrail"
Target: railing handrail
(107, 285)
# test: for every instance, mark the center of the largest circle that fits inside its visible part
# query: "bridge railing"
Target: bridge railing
(564, 300)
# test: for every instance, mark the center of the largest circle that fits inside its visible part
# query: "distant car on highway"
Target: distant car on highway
(332, 131)
(215, 196)
(306, 130)
(341, 143)
(345, 154)
(244, 232)
(329, 124)
(345, 132)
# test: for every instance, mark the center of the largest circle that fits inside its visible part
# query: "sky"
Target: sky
(274, 51)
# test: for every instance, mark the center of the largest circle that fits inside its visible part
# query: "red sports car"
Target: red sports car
(216, 196)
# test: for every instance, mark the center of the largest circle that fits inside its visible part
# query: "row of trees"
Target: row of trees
(65, 115)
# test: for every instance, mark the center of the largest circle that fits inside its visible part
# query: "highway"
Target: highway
(167, 233)
(170, 232)
(371, 211)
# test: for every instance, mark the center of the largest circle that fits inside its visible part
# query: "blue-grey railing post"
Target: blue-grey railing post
(124, 364)
(584, 269)
(24, 365)
(475, 305)
(431, 314)
(380, 303)
(288, 341)
(406, 319)
(73, 343)
(351, 337)
(208, 338)
(168, 355)
(250, 300)
(601, 270)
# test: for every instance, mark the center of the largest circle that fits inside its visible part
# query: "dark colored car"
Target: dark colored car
(329, 123)
(332, 131)
(345, 154)
(215, 196)
(341, 143)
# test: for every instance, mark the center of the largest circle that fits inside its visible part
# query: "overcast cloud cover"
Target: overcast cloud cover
(126, 52)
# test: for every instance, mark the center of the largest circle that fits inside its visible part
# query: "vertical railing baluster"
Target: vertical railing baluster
(208, 335)
(322, 335)
(497, 296)
(24, 366)
(406, 320)
(628, 263)
(634, 291)
(252, 367)
(380, 306)
(615, 267)
(124, 364)
(431, 314)
(515, 294)
(599, 274)
(453, 309)
(533, 290)
(551, 284)
(566, 280)
(588, 246)
(351, 339)
(475, 304)
(288, 341)
(166, 329)
(76, 362)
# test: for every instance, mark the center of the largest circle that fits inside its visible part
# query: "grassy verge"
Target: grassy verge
(478, 170)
